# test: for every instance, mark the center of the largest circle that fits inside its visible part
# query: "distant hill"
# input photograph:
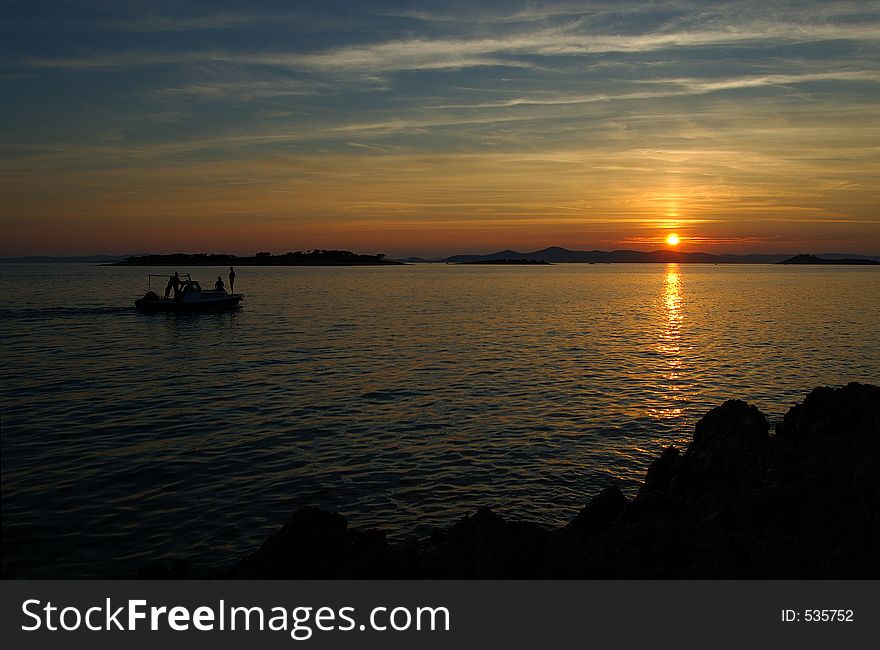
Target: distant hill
(564, 255)
(561, 255)
(517, 262)
(813, 259)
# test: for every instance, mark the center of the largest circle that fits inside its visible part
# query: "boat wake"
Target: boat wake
(28, 313)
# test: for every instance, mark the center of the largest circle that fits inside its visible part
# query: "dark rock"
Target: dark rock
(739, 503)
(662, 472)
(726, 448)
(486, 546)
(603, 510)
(319, 544)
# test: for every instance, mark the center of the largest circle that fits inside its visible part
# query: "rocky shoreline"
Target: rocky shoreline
(737, 503)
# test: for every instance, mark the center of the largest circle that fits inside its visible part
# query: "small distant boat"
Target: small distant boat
(189, 297)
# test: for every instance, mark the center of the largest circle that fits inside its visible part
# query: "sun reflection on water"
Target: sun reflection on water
(672, 384)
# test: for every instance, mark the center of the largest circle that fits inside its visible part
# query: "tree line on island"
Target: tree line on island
(314, 257)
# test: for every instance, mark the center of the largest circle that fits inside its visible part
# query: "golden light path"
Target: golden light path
(670, 346)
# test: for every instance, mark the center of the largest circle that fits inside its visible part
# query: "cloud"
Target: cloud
(669, 88)
(705, 85)
(243, 90)
(683, 12)
(546, 113)
(513, 50)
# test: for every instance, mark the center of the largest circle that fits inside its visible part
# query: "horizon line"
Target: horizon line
(440, 257)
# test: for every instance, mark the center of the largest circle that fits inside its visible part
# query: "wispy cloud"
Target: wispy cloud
(512, 50)
(242, 90)
(672, 11)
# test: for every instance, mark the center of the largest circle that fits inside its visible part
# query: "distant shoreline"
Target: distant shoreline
(512, 262)
(552, 255)
(298, 258)
(558, 255)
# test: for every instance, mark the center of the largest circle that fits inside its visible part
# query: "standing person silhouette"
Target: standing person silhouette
(173, 283)
(231, 280)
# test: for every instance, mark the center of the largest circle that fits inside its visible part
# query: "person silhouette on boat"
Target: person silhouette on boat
(219, 284)
(173, 284)
(231, 280)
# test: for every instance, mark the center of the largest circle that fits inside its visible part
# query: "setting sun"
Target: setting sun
(672, 239)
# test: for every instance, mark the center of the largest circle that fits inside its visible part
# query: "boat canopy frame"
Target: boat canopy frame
(150, 277)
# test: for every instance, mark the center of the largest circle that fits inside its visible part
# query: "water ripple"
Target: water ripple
(403, 397)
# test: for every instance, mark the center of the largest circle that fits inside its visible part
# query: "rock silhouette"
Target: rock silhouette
(738, 503)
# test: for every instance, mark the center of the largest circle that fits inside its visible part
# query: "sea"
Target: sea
(404, 397)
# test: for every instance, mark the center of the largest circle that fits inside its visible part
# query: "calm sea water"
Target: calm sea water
(401, 396)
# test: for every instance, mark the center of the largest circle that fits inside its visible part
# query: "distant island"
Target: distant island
(557, 254)
(812, 259)
(316, 257)
(551, 255)
(506, 261)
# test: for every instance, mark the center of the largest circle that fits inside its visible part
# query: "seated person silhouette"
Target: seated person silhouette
(219, 284)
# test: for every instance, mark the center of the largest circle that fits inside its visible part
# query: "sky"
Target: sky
(414, 128)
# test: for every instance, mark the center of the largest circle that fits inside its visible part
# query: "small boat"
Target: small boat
(188, 297)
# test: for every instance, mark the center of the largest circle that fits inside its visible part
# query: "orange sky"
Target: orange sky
(418, 134)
